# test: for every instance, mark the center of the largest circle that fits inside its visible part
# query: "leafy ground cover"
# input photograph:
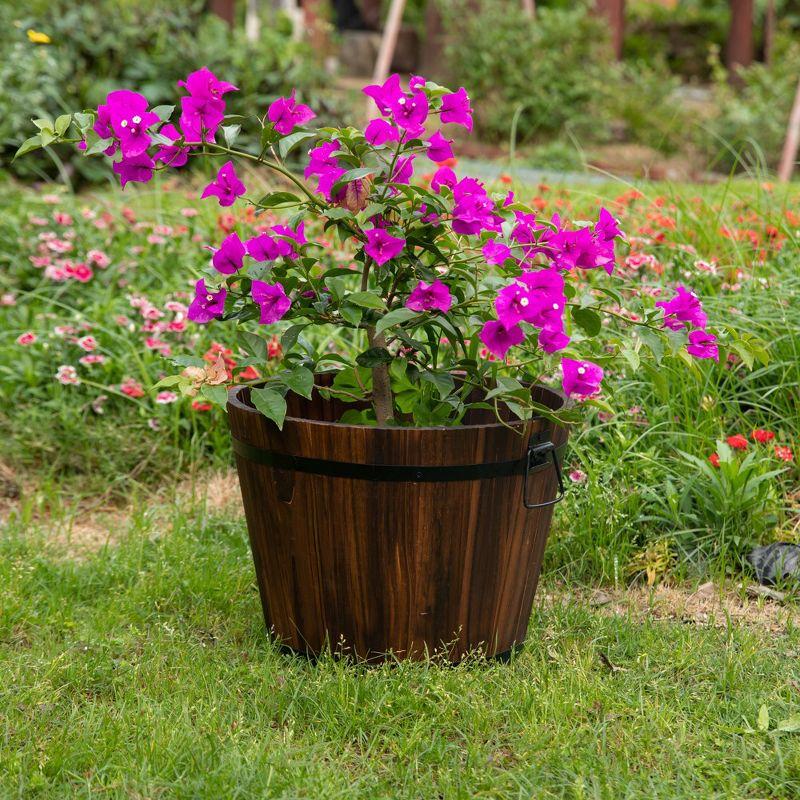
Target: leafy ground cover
(94, 301)
(133, 661)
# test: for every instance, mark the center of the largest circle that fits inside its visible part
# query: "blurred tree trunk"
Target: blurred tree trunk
(432, 55)
(252, 22)
(224, 9)
(739, 52)
(614, 12)
(770, 23)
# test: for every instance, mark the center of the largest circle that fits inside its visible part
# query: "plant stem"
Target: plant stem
(382, 400)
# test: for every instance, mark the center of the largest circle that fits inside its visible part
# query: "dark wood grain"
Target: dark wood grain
(372, 567)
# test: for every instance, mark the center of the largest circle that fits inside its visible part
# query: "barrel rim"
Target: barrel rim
(235, 402)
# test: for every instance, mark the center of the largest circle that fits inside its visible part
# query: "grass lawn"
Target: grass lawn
(143, 670)
(138, 667)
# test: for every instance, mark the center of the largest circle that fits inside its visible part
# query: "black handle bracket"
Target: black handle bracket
(538, 456)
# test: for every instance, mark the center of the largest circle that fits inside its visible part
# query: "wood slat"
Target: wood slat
(371, 567)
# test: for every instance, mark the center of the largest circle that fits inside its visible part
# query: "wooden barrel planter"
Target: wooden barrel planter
(409, 541)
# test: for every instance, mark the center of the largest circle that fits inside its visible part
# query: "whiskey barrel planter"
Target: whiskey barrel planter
(401, 540)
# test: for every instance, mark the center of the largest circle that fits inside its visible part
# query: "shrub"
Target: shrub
(749, 126)
(97, 47)
(565, 78)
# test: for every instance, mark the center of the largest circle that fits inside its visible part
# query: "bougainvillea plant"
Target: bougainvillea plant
(452, 296)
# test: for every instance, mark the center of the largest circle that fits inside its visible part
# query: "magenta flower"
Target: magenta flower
(552, 340)
(403, 169)
(382, 246)
(684, 307)
(286, 114)
(443, 176)
(200, 118)
(430, 296)
(410, 111)
(272, 299)
(385, 95)
(321, 159)
(582, 249)
(581, 379)
(456, 109)
(439, 148)
(703, 345)
(207, 305)
(230, 255)
(379, 131)
(416, 83)
(136, 169)
(264, 248)
(226, 187)
(130, 121)
(498, 339)
(326, 166)
(204, 83)
(496, 252)
(168, 154)
(607, 227)
(473, 210)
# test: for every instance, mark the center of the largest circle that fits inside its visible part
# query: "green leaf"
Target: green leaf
(789, 725)
(654, 342)
(356, 174)
(396, 317)
(62, 123)
(98, 147)
(32, 143)
(371, 210)
(351, 314)
(338, 213)
(230, 132)
(170, 380)
(763, 718)
(632, 357)
(587, 320)
(288, 142)
(44, 124)
(365, 300)
(300, 381)
(271, 404)
(216, 394)
(254, 344)
(274, 199)
(268, 136)
(188, 361)
(163, 112)
(443, 382)
(289, 338)
(374, 357)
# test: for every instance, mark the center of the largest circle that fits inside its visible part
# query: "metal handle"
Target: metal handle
(537, 457)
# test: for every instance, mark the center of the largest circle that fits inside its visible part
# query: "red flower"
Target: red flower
(737, 441)
(249, 374)
(714, 459)
(762, 436)
(198, 405)
(784, 453)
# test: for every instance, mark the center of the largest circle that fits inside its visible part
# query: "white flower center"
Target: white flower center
(137, 119)
(401, 101)
(581, 370)
(209, 298)
(555, 306)
(524, 302)
(124, 123)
